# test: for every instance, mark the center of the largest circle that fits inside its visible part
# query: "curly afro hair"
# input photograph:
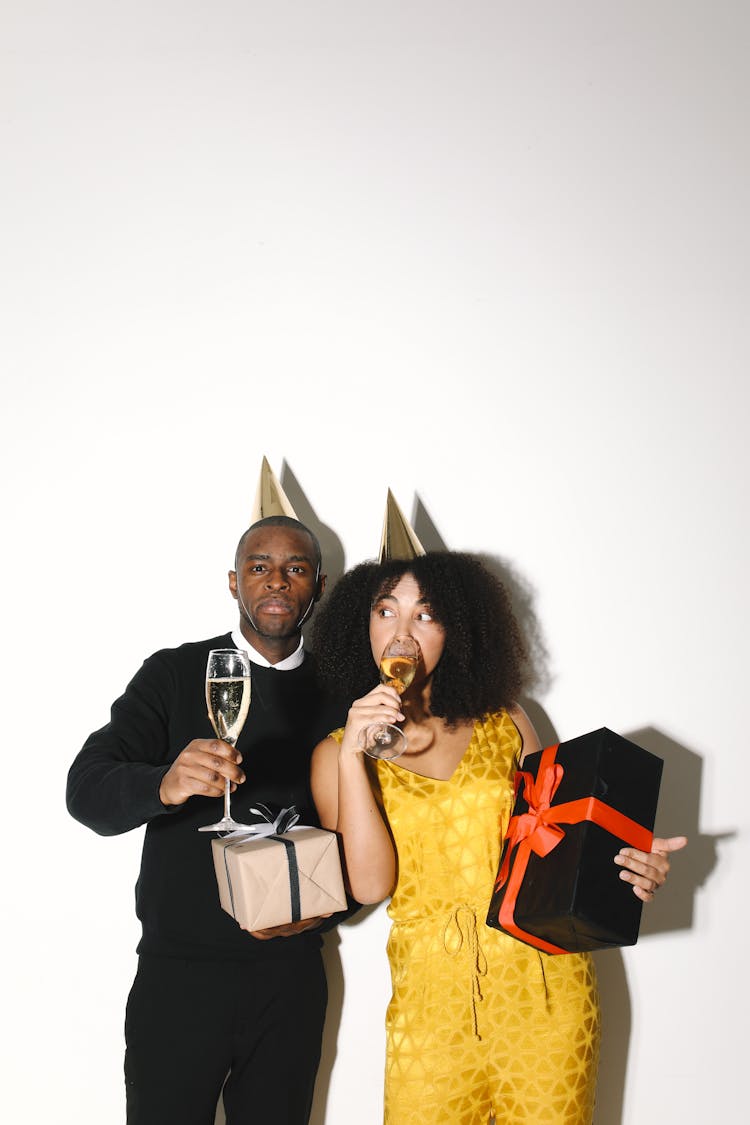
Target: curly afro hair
(484, 661)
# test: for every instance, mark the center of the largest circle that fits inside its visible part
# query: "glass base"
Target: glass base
(226, 824)
(383, 741)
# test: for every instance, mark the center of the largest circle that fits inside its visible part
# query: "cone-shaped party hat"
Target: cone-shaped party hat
(270, 498)
(399, 540)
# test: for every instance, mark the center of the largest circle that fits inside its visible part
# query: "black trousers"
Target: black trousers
(195, 1027)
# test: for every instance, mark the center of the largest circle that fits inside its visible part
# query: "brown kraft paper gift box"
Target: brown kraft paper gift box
(576, 805)
(272, 880)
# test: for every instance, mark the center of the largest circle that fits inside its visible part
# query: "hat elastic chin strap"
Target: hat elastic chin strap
(311, 603)
(249, 615)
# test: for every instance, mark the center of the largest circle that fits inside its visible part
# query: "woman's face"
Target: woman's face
(405, 611)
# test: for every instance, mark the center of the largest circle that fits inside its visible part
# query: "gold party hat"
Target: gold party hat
(399, 540)
(270, 498)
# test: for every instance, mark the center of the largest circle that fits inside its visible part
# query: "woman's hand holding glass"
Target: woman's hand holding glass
(376, 714)
(380, 706)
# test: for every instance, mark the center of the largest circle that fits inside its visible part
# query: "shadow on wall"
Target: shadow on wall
(331, 547)
(522, 595)
(335, 977)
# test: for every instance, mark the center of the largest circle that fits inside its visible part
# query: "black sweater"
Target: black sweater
(113, 786)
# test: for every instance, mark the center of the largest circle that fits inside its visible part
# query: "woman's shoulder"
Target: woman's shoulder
(529, 739)
(511, 725)
(327, 750)
(501, 722)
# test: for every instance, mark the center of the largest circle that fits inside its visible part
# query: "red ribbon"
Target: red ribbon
(539, 831)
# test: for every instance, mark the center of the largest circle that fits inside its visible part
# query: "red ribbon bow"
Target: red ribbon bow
(537, 825)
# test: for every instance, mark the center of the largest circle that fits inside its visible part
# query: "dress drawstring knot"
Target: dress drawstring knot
(461, 934)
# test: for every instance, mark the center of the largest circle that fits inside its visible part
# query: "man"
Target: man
(212, 1006)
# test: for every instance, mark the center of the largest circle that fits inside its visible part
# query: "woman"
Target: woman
(478, 1023)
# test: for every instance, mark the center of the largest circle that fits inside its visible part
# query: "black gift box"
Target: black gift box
(558, 887)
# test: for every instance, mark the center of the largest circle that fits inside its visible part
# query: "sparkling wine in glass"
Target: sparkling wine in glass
(398, 667)
(228, 701)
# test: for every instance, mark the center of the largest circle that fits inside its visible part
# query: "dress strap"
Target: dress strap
(461, 936)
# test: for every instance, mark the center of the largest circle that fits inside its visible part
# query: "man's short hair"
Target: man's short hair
(284, 521)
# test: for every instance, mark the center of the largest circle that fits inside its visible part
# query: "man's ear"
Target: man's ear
(232, 575)
(321, 587)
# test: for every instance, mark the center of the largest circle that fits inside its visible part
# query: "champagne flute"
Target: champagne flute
(228, 700)
(398, 667)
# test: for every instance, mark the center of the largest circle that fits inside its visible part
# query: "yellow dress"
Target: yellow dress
(479, 1024)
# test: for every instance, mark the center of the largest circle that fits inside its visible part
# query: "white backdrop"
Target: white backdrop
(492, 255)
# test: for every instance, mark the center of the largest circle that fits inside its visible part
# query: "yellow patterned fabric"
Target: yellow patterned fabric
(479, 1024)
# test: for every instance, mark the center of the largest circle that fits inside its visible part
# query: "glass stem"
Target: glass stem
(227, 783)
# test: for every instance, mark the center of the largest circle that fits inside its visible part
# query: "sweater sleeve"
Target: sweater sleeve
(113, 784)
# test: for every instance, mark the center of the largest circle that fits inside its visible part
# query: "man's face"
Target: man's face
(275, 581)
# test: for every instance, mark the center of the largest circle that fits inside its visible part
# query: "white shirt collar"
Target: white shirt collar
(239, 640)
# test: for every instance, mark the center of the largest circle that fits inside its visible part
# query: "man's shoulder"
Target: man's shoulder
(189, 651)
(224, 640)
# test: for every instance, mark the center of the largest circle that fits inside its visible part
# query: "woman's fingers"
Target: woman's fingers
(647, 871)
(383, 702)
(381, 705)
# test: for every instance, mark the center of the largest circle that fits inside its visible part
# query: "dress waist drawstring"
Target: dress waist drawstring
(461, 935)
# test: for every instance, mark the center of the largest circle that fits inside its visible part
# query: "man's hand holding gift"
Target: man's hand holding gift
(288, 930)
